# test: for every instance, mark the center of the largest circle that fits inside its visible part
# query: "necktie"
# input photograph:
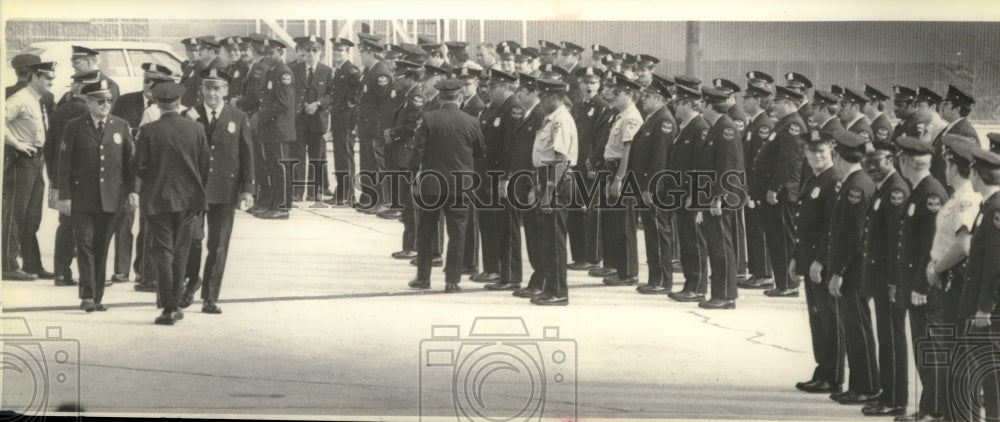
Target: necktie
(45, 116)
(100, 129)
(309, 76)
(211, 122)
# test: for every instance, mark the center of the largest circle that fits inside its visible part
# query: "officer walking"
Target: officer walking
(230, 182)
(447, 141)
(95, 178)
(911, 123)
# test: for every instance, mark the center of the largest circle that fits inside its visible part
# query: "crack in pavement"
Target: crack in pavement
(310, 211)
(751, 339)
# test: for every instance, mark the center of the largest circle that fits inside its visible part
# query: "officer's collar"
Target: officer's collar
(855, 120)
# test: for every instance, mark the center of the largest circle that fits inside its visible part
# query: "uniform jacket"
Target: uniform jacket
(344, 92)
(812, 222)
(277, 106)
(982, 274)
(881, 128)
(253, 85)
(861, 127)
(231, 169)
(520, 146)
(53, 139)
(684, 153)
(172, 159)
(778, 164)
(882, 235)
(651, 146)
(376, 84)
(912, 126)
(739, 116)
(498, 123)
(447, 141)
(308, 92)
(847, 229)
(757, 133)
(917, 236)
(722, 154)
(938, 163)
(130, 107)
(238, 71)
(95, 168)
(473, 106)
(589, 116)
(400, 148)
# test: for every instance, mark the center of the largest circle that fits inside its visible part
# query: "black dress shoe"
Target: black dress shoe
(581, 266)
(185, 301)
(100, 308)
(119, 278)
(88, 305)
(550, 301)
(653, 290)
(756, 283)
(42, 274)
(64, 281)
(485, 278)
(209, 307)
(858, 398)
(503, 286)
(470, 271)
(254, 209)
(782, 293)
(18, 275)
(404, 254)
(145, 287)
(390, 214)
(166, 318)
(617, 280)
(602, 272)
(683, 296)
(718, 304)
(419, 284)
(527, 292)
(821, 387)
(452, 288)
(883, 410)
(838, 395)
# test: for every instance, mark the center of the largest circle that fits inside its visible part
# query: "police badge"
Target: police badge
(236, 73)
(117, 137)
(591, 112)
(740, 125)
(896, 197)
(814, 136)
(878, 201)
(815, 193)
(704, 134)
(910, 211)
(231, 127)
(764, 131)
(496, 122)
(517, 113)
(286, 79)
(933, 203)
(996, 219)
(268, 84)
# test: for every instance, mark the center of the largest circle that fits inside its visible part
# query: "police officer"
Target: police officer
(230, 181)
(756, 102)
(275, 121)
(598, 54)
(458, 55)
(191, 52)
(526, 60)
(208, 57)
(912, 289)
(979, 298)
(682, 158)
(240, 58)
(843, 264)
(472, 104)
(173, 160)
(739, 117)
(501, 241)
(569, 59)
(409, 103)
(622, 210)
(589, 114)
(825, 109)
(927, 108)
(95, 179)
(548, 52)
(911, 123)
(851, 106)
(313, 81)
(799, 83)
(553, 154)
(955, 109)
(376, 84)
(343, 106)
(881, 249)
(249, 102)
(447, 141)
(874, 111)
(812, 226)
(647, 162)
(777, 170)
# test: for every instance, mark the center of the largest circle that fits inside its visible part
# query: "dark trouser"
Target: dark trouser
(308, 147)
(193, 267)
(509, 245)
(343, 159)
(372, 159)
(65, 248)
(583, 225)
(489, 232)
(123, 242)
(379, 154)
(623, 243)
(758, 263)
(409, 216)
(220, 230)
(607, 227)
(260, 174)
(92, 232)
(534, 240)
(553, 237)
(890, 323)
(978, 370)
(427, 226)
(471, 255)
(169, 242)
(740, 239)
(143, 268)
(933, 378)
(722, 248)
(779, 230)
(23, 195)
(827, 335)
(658, 231)
(273, 192)
(856, 323)
(694, 251)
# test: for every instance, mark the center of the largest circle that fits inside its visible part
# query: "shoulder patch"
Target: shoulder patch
(667, 127)
(418, 100)
(996, 219)
(729, 134)
(794, 129)
(740, 124)
(933, 203)
(896, 197)
(882, 134)
(382, 80)
(854, 195)
(556, 125)
(704, 134)
(286, 78)
(921, 127)
(763, 131)
(865, 135)
(517, 112)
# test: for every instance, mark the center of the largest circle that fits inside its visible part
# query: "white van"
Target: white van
(120, 61)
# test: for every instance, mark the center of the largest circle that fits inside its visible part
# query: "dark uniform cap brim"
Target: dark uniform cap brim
(926, 95)
(688, 81)
(854, 97)
(785, 93)
(687, 92)
(714, 95)
(755, 75)
(22, 61)
(959, 148)
(874, 94)
(821, 97)
(914, 146)
(986, 159)
(794, 79)
(80, 51)
(449, 85)
(726, 85)
(956, 97)
(214, 75)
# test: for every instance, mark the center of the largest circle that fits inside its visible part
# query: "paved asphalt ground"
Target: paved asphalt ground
(318, 320)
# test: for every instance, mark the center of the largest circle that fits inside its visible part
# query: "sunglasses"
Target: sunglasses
(103, 101)
(312, 50)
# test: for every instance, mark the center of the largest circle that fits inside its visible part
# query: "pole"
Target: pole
(692, 51)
